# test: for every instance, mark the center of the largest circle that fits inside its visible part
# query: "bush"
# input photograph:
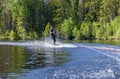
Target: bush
(86, 30)
(46, 31)
(95, 27)
(12, 35)
(117, 35)
(6, 34)
(33, 35)
(99, 33)
(66, 28)
(107, 31)
(115, 25)
(21, 33)
(76, 33)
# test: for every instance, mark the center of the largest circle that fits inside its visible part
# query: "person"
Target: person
(52, 34)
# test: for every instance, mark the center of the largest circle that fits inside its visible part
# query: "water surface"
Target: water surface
(39, 60)
(109, 42)
(17, 60)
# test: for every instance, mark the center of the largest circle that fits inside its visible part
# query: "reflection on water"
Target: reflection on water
(43, 57)
(15, 60)
(11, 60)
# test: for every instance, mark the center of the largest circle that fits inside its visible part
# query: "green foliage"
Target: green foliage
(75, 18)
(115, 24)
(117, 34)
(95, 27)
(76, 33)
(67, 27)
(85, 29)
(46, 31)
(33, 35)
(21, 33)
(57, 11)
(6, 34)
(108, 31)
(12, 35)
(0, 31)
(99, 33)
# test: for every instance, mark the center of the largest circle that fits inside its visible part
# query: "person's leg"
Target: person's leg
(54, 39)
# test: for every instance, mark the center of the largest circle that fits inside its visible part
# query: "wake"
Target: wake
(107, 50)
(40, 43)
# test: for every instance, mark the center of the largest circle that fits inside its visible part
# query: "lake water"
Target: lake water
(38, 60)
(110, 42)
(17, 60)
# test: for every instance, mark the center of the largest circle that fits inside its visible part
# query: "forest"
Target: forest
(71, 19)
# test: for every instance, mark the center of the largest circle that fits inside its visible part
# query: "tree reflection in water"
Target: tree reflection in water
(45, 57)
(11, 61)
(15, 60)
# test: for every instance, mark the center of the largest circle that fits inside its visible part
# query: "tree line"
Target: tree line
(20, 19)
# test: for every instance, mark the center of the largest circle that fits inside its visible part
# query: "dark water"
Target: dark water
(17, 60)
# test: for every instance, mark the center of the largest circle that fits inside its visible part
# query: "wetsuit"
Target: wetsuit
(53, 35)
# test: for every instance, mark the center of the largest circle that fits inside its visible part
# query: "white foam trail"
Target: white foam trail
(40, 44)
(16, 43)
(59, 45)
(108, 55)
(105, 48)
